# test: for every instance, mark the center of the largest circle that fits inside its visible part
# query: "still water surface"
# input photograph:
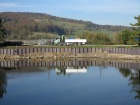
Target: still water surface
(92, 85)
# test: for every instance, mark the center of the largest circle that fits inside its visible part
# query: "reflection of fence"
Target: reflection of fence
(82, 63)
(131, 51)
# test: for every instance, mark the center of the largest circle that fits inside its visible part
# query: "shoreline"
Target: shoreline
(67, 55)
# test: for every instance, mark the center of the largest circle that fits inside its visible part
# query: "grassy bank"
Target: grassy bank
(79, 46)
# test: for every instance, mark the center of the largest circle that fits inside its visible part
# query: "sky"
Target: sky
(103, 12)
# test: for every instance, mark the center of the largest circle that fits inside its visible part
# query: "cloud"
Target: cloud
(9, 5)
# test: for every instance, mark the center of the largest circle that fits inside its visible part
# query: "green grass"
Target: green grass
(79, 46)
(80, 28)
(69, 25)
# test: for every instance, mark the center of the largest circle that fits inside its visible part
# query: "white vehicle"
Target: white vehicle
(63, 41)
(68, 70)
(76, 70)
(75, 41)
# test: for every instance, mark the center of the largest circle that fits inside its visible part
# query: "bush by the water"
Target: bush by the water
(96, 38)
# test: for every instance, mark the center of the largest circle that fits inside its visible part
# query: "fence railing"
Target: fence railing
(20, 51)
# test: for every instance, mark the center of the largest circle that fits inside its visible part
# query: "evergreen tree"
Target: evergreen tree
(136, 27)
(2, 31)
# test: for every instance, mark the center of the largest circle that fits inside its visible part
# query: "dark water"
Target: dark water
(91, 85)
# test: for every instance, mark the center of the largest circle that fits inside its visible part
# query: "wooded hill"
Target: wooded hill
(23, 25)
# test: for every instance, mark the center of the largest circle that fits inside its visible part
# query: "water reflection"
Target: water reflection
(135, 83)
(67, 70)
(128, 70)
(3, 83)
(71, 63)
(134, 80)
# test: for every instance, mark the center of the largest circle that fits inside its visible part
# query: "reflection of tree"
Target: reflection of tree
(125, 72)
(61, 70)
(3, 83)
(134, 80)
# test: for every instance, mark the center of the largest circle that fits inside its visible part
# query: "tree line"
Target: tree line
(130, 36)
(93, 27)
(126, 36)
(21, 24)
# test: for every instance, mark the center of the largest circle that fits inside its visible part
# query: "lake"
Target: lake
(79, 84)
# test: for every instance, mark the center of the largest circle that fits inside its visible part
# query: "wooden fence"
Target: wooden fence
(20, 51)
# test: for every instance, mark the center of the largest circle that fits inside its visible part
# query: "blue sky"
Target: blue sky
(105, 12)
